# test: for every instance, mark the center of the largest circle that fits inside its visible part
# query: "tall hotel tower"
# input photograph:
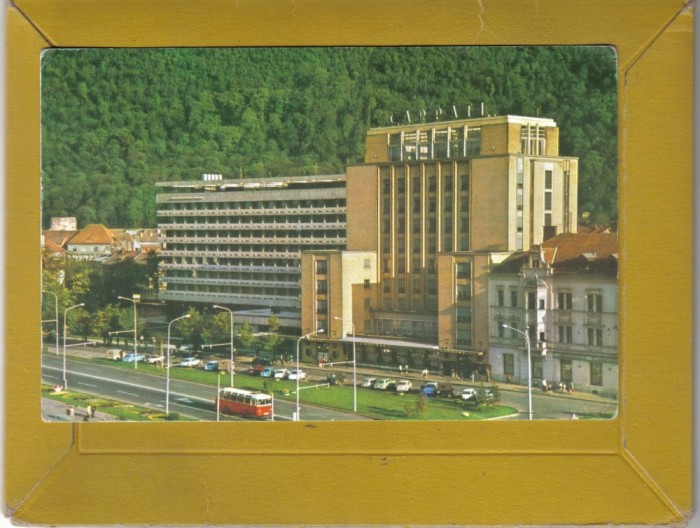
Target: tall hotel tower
(432, 207)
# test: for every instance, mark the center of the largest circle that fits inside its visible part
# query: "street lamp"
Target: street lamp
(231, 314)
(296, 417)
(354, 365)
(167, 367)
(136, 357)
(56, 319)
(529, 368)
(65, 332)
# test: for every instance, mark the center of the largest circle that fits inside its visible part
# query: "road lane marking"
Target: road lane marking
(128, 393)
(87, 384)
(129, 384)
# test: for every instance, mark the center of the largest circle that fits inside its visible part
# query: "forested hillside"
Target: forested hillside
(114, 122)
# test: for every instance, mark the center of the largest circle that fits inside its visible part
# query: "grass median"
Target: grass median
(384, 405)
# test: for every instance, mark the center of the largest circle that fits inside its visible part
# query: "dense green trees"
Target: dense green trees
(116, 121)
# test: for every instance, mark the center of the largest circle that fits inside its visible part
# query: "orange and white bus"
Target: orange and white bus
(240, 402)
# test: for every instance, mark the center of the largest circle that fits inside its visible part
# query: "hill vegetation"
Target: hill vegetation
(114, 122)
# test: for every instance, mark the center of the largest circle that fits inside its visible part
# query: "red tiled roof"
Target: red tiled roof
(93, 234)
(58, 236)
(572, 246)
(53, 247)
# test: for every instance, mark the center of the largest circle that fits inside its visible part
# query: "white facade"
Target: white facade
(571, 318)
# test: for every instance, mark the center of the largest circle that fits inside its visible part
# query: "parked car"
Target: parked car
(435, 388)
(190, 362)
(130, 358)
(383, 384)
(296, 374)
(280, 373)
(369, 382)
(154, 359)
(403, 385)
(212, 365)
(267, 372)
(469, 394)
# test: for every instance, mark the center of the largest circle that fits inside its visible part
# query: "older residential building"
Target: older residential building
(239, 242)
(563, 295)
(435, 202)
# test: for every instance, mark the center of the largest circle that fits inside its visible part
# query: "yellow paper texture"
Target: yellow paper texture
(635, 469)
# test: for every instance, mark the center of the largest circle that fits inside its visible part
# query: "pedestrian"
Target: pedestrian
(400, 369)
(488, 375)
(405, 369)
(89, 409)
(507, 378)
(424, 373)
(473, 376)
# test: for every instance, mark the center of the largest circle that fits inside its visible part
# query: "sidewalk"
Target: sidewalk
(54, 411)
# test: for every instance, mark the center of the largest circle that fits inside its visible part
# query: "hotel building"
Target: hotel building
(239, 242)
(429, 210)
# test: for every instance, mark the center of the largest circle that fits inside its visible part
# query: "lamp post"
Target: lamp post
(56, 319)
(296, 416)
(136, 357)
(167, 366)
(354, 365)
(65, 332)
(529, 368)
(231, 314)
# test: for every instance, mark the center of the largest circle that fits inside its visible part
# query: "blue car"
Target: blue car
(130, 358)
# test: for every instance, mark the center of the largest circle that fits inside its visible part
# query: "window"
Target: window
(537, 371)
(463, 270)
(531, 300)
(540, 304)
(548, 180)
(566, 371)
(500, 295)
(464, 314)
(597, 373)
(564, 300)
(565, 334)
(463, 292)
(594, 302)
(321, 286)
(501, 331)
(321, 306)
(508, 364)
(514, 298)
(321, 267)
(366, 283)
(367, 263)
(595, 337)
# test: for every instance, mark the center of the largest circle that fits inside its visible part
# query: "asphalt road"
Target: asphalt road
(146, 390)
(197, 400)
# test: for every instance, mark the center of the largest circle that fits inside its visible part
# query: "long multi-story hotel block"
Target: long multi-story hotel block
(435, 204)
(239, 242)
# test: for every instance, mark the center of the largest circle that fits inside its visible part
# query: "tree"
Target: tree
(247, 338)
(272, 339)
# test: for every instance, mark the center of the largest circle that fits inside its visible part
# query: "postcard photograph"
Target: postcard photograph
(329, 234)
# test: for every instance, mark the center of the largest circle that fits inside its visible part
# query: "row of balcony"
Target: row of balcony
(263, 300)
(294, 270)
(255, 226)
(244, 213)
(233, 282)
(305, 241)
(293, 255)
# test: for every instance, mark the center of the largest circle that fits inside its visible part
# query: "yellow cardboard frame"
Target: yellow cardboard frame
(635, 469)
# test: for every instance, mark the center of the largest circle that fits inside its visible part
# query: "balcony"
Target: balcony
(245, 213)
(253, 226)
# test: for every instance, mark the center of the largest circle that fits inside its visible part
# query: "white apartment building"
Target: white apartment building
(239, 242)
(563, 294)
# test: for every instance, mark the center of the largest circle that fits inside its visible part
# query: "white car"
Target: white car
(154, 359)
(296, 374)
(383, 384)
(369, 382)
(403, 385)
(468, 393)
(279, 373)
(212, 365)
(190, 362)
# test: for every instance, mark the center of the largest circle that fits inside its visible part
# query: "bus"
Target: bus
(251, 404)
